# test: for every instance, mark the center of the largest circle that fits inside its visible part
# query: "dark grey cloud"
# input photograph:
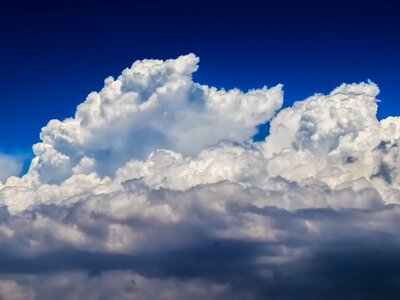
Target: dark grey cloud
(342, 259)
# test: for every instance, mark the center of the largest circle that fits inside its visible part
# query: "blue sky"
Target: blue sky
(54, 53)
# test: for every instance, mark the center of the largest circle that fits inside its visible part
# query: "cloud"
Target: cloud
(155, 186)
(154, 104)
(9, 166)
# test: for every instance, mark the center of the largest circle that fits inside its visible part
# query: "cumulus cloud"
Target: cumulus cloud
(155, 189)
(152, 105)
(9, 166)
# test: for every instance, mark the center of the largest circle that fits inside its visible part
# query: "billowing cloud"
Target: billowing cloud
(155, 189)
(154, 104)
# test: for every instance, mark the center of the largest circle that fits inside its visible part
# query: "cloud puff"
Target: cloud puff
(152, 105)
(156, 186)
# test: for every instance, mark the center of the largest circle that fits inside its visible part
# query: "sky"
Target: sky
(54, 53)
(207, 151)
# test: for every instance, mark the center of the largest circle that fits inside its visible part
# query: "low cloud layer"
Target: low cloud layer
(155, 190)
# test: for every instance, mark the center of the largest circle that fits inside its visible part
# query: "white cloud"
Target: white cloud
(111, 285)
(9, 166)
(154, 104)
(156, 180)
(11, 290)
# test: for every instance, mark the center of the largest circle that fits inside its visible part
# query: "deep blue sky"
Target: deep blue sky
(53, 53)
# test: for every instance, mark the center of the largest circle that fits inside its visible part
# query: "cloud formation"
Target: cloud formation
(154, 104)
(155, 186)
